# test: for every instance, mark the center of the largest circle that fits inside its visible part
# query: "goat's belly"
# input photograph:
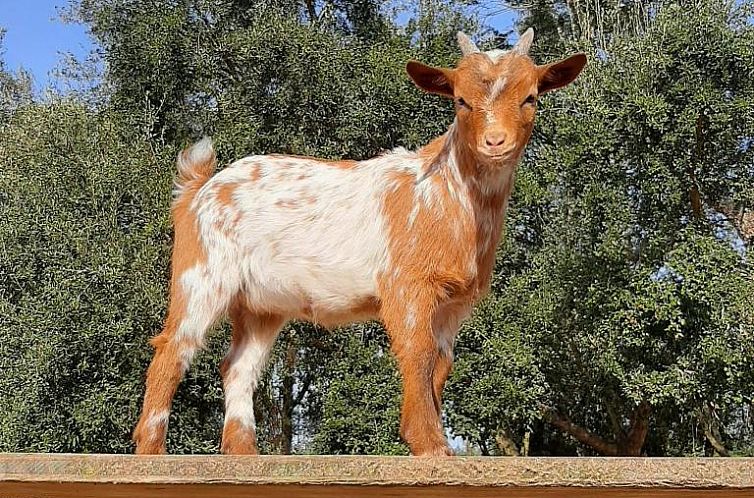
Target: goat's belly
(305, 292)
(317, 282)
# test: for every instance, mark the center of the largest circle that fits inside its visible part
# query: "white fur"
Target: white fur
(446, 330)
(206, 301)
(201, 152)
(496, 54)
(158, 419)
(300, 237)
(247, 361)
(410, 318)
(304, 235)
(495, 91)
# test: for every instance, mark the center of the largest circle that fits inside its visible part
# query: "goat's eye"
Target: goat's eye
(530, 100)
(462, 103)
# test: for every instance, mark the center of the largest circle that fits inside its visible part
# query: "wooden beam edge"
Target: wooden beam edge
(661, 473)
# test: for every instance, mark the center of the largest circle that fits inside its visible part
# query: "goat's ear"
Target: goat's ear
(559, 74)
(431, 79)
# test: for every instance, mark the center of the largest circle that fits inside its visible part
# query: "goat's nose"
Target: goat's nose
(494, 138)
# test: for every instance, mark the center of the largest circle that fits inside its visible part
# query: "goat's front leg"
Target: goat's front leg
(440, 374)
(445, 327)
(415, 346)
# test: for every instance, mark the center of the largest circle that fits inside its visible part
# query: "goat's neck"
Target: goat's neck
(481, 193)
(487, 188)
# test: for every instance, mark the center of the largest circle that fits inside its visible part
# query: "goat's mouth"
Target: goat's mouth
(498, 159)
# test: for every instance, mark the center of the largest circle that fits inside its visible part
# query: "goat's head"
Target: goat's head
(496, 95)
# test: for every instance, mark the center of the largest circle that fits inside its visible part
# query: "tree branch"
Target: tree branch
(322, 346)
(302, 391)
(696, 199)
(311, 11)
(716, 444)
(579, 433)
(711, 431)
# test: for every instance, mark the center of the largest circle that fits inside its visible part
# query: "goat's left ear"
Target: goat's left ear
(431, 79)
(559, 74)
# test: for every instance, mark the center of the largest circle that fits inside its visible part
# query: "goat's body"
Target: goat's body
(296, 236)
(406, 237)
(310, 239)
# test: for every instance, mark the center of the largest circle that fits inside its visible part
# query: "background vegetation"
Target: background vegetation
(620, 321)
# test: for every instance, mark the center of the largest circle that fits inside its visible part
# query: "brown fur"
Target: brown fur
(434, 255)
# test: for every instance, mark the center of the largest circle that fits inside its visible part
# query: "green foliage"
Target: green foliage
(84, 226)
(244, 74)
(361, 397)
(624, 278)
(496, 382)
(242, 71)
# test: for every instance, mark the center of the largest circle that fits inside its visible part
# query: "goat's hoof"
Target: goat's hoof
(150, 448)
(434, 451)
(239, 449)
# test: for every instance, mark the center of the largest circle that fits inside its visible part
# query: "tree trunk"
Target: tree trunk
(505, 444)
(632, 444)
(527, 437)
(712, 430)
(311, 11)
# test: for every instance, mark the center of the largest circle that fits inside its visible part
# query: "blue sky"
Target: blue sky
(35, 37)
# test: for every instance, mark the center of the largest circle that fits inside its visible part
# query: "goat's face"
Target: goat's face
(495, 95)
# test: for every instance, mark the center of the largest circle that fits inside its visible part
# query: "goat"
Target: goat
(408, 237)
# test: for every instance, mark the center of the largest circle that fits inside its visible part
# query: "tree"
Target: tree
(625, 278)
(359, 393)
(256, 66)
(85, 237)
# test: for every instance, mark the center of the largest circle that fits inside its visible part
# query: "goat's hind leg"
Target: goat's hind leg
(254, 336)
(189, 318)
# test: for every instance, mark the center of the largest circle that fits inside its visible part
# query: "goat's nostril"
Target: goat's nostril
(494, 139)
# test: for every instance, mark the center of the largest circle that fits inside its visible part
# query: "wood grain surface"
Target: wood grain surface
(82, 476)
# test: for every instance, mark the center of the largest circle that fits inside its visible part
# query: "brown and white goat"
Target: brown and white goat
(408, 237)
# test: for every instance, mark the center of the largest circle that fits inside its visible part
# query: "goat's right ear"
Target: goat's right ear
(431, 79)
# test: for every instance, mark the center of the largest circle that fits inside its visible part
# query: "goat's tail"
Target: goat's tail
(196, 164)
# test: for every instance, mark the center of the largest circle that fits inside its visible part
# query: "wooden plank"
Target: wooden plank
(100, 490)
(82, 476)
